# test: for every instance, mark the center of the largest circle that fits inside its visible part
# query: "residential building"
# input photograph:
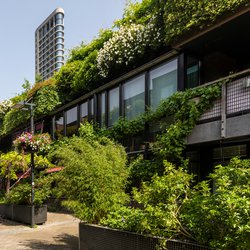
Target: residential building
(220, 51)
(49, 44)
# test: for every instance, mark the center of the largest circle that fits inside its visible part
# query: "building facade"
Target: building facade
(49, 44)
(220, 52)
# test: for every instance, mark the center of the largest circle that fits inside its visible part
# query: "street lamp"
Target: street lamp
(25, 106)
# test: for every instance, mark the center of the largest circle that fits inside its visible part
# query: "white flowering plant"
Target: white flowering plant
(27, 142)
(126, 45)
(5, 107)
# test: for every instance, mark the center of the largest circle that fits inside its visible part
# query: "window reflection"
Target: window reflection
(59, 128)
(91, 110)
(84, 112)
(103, 110)
(163, 82)
(113, 105)
(71, 124)
(192, 72)
(134, 97)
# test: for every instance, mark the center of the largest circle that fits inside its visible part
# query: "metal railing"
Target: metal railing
(235, 97)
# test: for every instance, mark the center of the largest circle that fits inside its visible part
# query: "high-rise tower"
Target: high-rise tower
(49, 44)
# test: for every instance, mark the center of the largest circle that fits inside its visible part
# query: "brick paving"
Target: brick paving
(60, 232)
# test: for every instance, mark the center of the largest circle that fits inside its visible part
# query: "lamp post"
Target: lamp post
(24, 105)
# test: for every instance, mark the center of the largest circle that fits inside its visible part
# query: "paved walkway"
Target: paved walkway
(60, 232)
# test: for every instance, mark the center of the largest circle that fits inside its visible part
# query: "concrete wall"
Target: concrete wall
(235, 128)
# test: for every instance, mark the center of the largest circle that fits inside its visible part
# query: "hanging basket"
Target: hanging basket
(27, 142)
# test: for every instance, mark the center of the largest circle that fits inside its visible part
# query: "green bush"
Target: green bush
(21, 193)
(221, 219)
(159, 205)
(94, 176)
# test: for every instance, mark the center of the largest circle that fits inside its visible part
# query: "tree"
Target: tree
(10, 163)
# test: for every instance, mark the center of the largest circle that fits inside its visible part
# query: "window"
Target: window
(58, 65)
(84, 111)
(59, 21)
(59, 128)
(59, 53)
(113, 106)
(134, 97)
(71, 124)
(59, 15)
(59, 27)
(163, 82)
(91, 108)
(59, 40)
(103, 109)
(192, 72)
(59, 46)
(59, 34)
(59, 58)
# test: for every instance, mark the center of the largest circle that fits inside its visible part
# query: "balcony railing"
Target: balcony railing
(234, 100)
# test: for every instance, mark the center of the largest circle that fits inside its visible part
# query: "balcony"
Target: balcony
(229, 118)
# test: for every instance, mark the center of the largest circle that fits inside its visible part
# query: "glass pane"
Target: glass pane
(163, 82)
(58, 34)
(71, 125)
(59, 15)
(113, 113)
(134, 97)
(91, 103)
(84, 112)
(192, 72)
(59, 129)
(103, 110)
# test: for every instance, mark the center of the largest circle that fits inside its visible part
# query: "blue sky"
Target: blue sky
(19, 20)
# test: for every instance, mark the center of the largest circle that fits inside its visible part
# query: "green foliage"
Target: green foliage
(46, 99)
(64, 79)
(21, 193)
(13, 119)
(26, 85)
(87, 77)
(221, 219)
(143, 170)
(82, 51)
(181, 17)
(170, 206)
(182, 108)
(94, 176)
(124, 127)
(160, 202)
(80, 73)
(12, 162)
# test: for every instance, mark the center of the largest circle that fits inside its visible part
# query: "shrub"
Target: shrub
(94, 176)
(160, 202)
(221, 218)
(21, 193)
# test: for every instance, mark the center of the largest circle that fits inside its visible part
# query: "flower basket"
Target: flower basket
(27, 142)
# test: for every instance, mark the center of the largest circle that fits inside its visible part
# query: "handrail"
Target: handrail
(232, 76)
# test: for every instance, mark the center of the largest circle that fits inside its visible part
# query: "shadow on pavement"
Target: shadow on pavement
(7, 222)
(63, 242)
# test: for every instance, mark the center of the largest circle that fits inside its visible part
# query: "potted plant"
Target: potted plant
(17, 203)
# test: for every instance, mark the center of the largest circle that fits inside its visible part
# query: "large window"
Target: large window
(113, 106)
(59, 126)
(84, 111)
(163, 82)
(71, 121)
(134, 97)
